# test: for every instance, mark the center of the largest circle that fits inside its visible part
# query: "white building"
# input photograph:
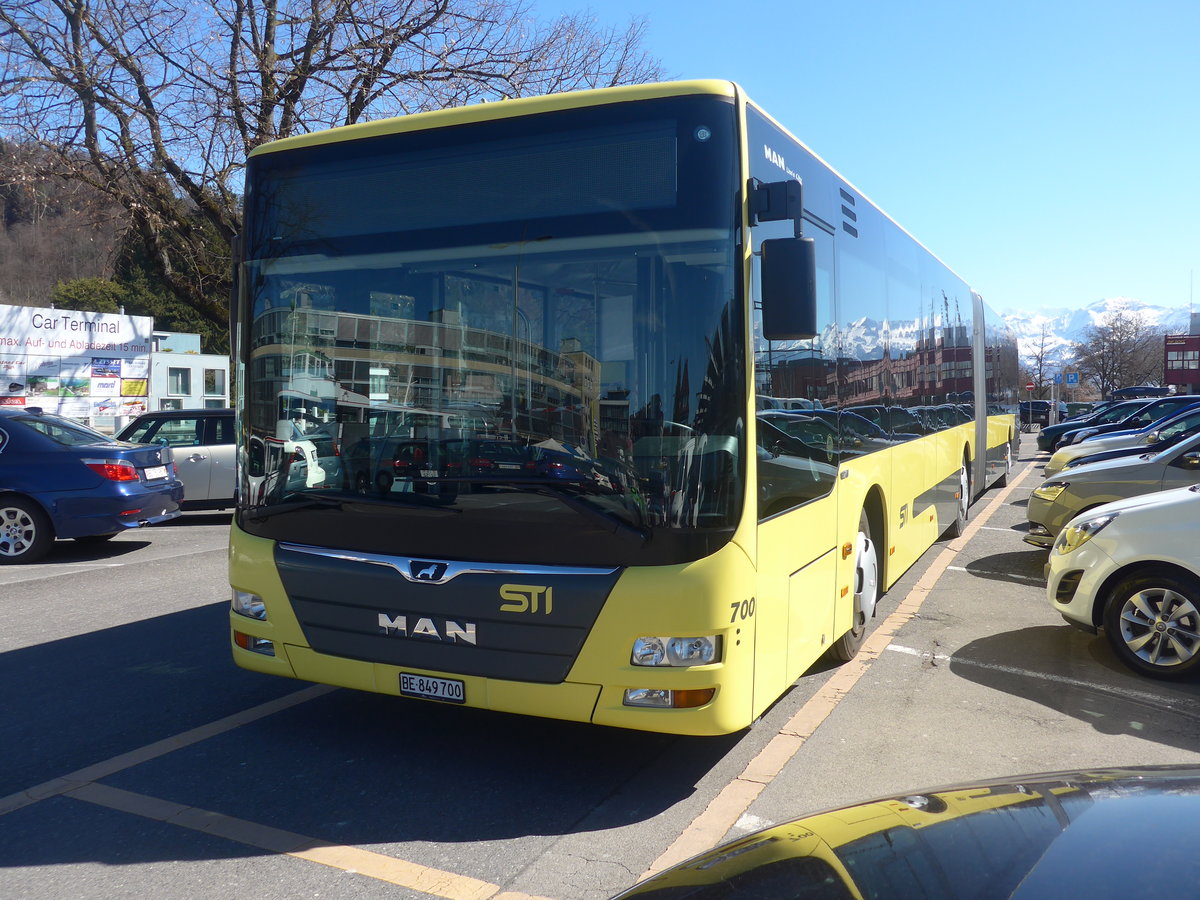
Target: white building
(181, 377)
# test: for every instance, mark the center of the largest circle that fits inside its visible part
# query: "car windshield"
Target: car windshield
(1181, 425)
(64, 431)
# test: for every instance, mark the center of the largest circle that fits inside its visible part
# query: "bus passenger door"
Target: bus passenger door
(798, 454)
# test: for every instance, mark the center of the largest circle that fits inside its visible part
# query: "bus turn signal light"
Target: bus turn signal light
(665, 699)
(254, 644)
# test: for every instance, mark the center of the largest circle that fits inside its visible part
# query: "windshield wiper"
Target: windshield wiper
(259, 513)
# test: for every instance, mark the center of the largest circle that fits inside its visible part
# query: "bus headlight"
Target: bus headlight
(250, 605)
(1075, 536)
(676, 651)
(1050, 492)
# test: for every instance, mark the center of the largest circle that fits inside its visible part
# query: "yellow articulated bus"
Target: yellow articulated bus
(613, 288)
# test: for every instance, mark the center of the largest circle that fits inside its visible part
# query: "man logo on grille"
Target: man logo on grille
(419, 570)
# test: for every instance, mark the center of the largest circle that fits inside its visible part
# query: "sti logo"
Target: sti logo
(420, 570)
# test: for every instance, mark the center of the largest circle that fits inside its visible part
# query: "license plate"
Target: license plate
(508, 466)
(429, 473)
(155, 472)
(448, 689)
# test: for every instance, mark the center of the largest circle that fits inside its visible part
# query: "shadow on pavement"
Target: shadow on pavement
(346, 767)
(1076, 674)
(1027, 565)
(69, 551)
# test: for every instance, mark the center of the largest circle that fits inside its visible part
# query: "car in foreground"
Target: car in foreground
(1132, 569)
(1037, 837)
(1172, 426)
(1062, 497)
(60, 479)
(202, 441)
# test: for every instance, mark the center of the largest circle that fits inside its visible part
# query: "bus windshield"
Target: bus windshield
(516, 343)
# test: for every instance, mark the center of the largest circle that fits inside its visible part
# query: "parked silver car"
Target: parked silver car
(1163, 429)
(203, 443)
(1063, 496)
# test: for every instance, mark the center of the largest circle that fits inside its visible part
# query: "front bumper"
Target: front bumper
(1074, 582)
(1046, 520)
(1039, 536)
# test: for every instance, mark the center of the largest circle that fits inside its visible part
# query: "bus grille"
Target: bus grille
(519, 623)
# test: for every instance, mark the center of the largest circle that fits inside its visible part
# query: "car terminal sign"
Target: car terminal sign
(79, 364)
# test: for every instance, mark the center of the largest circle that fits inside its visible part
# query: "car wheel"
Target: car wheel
(96, 538)
(866, 591)
(1152, 621)
(962, 506)
(25, 531)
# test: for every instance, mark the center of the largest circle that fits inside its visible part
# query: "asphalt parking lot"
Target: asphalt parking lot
(136, 760)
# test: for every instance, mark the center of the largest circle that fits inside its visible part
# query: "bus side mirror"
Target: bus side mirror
(789, 289)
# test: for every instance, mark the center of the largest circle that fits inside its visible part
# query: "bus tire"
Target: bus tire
(963, 502)
(1002, 481)
(866, 591)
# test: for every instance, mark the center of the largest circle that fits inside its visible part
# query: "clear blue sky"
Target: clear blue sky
(1047, 150)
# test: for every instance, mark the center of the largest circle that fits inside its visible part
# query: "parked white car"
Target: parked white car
(1132, 569)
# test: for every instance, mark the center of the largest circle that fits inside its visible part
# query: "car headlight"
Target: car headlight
(1051, 492)
(1077, 534)
(676, 651)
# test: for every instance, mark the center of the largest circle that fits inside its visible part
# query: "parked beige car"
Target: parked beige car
(203, 444)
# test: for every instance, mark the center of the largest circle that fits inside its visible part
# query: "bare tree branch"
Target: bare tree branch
(166, 98)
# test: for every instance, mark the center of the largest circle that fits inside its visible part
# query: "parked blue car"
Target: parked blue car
(59, 479)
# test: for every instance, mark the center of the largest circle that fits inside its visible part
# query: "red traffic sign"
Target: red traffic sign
(1029, 385)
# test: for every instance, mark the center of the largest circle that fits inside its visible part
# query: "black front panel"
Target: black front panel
(548, 362)
(468, 619)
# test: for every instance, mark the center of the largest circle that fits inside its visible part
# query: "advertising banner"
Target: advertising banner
(78, 364)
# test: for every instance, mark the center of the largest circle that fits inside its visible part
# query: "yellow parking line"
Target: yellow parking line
(707, 829)
(378, 866)
(108, 767)
(81, 785)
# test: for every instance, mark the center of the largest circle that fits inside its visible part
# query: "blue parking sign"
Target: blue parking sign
(1072, 378)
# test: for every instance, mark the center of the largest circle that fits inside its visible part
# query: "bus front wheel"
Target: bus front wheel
(866, 591)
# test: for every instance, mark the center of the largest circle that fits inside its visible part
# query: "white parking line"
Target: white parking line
(1125, 693)
(57, 570)
(1007, 576)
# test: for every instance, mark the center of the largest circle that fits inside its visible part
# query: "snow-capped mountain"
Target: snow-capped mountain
(1064, 327)
(864, 338)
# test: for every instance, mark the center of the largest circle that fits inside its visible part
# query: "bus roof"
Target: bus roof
(501, 109)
